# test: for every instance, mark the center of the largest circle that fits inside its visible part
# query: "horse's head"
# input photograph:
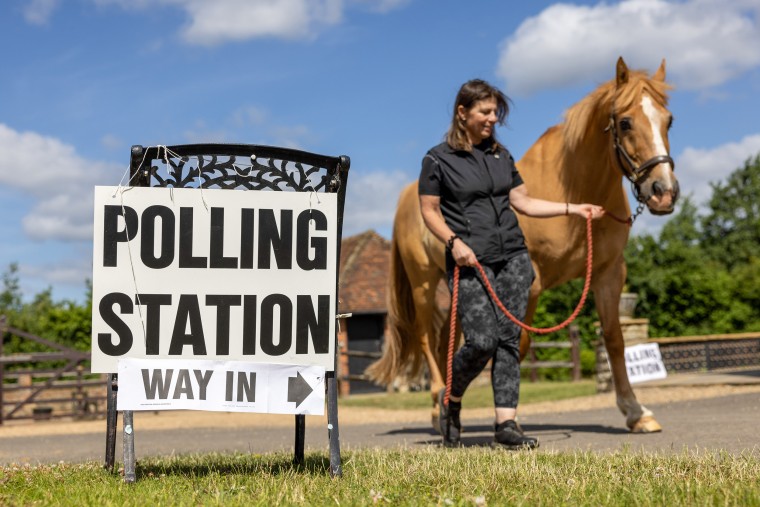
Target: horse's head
(639, 124)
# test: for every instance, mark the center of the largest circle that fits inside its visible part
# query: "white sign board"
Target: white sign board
(225, 386)
(223, 275)
(644, 362)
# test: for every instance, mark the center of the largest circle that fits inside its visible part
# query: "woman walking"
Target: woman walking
(469, 190)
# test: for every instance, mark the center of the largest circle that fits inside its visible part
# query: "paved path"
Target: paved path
(728, 423)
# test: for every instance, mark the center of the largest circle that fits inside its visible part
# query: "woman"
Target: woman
(468, 189)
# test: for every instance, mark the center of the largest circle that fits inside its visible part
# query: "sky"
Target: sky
(83, 80)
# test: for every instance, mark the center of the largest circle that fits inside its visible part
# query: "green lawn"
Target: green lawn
(478, 476)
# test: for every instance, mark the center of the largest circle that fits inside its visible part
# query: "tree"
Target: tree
(701, 275)
(65, 322)
(731, 231)
(681, 290)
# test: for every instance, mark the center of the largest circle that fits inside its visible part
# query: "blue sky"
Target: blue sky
(83, 80)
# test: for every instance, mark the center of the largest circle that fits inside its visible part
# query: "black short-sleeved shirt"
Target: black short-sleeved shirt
(474, 190)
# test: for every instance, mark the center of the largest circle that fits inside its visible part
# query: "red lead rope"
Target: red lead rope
(492, 293)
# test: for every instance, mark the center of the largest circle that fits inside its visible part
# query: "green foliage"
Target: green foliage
(732, 228)
(701, 275)
(65, 322)
(554, 306)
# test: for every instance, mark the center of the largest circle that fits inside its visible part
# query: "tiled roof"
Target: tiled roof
(364, 268)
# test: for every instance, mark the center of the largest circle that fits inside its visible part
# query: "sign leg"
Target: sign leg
(300, 439)
(332, 425)
(129, 447)
(111, 419)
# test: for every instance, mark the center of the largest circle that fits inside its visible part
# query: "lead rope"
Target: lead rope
(492, 293)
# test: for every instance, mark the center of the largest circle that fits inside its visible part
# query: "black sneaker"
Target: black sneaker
(510, 436)
(448, 421)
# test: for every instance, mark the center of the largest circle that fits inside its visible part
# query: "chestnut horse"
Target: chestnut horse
(619, 130)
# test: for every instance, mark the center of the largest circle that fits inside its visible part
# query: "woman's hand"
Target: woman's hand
(584, 209)
(463, 254)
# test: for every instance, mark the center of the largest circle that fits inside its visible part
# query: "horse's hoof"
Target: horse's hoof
(646, 424)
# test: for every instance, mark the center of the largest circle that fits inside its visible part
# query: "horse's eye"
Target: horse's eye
(625, 124)
(670, 122)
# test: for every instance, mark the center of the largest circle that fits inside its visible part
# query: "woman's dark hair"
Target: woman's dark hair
(471, 92)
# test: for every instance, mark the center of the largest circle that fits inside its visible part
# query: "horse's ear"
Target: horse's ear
(660, 74)
(622, 72)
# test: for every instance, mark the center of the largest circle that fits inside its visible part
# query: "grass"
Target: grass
(430, 476)
(475, 397)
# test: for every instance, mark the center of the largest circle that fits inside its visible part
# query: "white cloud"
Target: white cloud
(38, 12)
(71, 272)
(697, 167)
(213, 22)
(371, 201)
(218, 21)
(229, 20)
(57, 180)
(705, 42)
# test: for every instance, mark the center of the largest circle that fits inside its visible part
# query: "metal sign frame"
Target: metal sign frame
(241, 167)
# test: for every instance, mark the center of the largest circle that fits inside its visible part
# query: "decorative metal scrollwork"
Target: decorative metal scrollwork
(233, 171)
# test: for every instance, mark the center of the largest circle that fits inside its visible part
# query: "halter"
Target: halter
(626, 164)
(632, 172)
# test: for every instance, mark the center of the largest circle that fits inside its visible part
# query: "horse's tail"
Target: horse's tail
(400, 335)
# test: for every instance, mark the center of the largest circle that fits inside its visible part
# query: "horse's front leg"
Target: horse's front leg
(607, 290)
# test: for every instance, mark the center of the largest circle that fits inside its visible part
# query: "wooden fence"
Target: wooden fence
(573, 362)
(44, 385)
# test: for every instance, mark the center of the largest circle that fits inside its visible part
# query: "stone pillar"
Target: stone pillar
(603, 373)
(635, 332)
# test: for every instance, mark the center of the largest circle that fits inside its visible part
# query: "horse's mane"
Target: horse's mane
(594, 110)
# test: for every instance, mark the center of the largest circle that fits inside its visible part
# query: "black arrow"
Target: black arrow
(298, 389)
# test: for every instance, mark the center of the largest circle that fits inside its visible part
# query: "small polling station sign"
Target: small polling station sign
(213, 275)
(225, 386)
(644, 362)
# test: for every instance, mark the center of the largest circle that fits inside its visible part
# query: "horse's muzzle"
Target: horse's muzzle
(661, 201)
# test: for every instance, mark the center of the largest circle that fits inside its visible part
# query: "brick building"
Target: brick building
(363, 279)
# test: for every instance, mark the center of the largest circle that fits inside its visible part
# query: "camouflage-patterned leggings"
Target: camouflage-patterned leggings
(488, 333)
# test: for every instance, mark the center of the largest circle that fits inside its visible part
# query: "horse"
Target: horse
(619, 130)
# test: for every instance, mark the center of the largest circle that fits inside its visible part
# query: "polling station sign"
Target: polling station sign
(644, 362)
(213, 274)
(227, 386)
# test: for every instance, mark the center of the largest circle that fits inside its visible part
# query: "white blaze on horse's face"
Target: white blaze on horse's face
(659, 189)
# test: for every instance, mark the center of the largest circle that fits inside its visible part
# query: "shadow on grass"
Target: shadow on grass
(201, 466)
